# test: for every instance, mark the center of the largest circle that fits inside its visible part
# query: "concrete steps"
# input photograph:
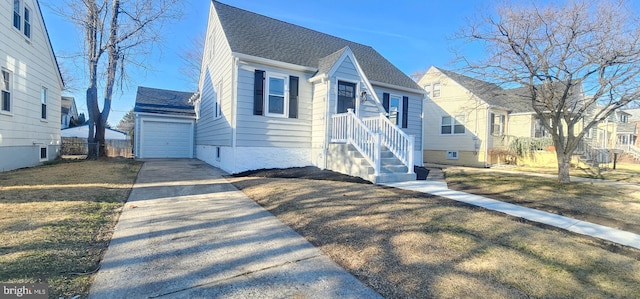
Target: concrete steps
(392, 170)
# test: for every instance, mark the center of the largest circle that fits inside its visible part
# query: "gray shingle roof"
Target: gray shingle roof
(162, 101)
(261, 36)
(635, 114)
(516, 100)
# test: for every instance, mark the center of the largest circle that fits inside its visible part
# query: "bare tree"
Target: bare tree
(124, 31)
(191, 56)
(558, 54)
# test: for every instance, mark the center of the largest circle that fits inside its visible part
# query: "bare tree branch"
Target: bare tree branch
(579, 61)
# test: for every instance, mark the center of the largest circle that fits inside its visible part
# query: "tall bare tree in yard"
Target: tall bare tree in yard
(123, 31)
(577, 62)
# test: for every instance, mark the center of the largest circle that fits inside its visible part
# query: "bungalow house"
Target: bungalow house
(471, 120)
(276, 95)
(634, 118)
(68, 113)
(31, 87)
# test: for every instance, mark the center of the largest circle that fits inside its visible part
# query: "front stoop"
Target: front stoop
(392, 170)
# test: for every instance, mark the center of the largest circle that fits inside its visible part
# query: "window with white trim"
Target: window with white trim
(395, 106)
(452, 125)
(276, 100)
(497, 124)
(6, 91)
(17, 22)
(217, 106)
(43, 153)
(27, 22)
(452, 155)
(436, 90)
(43, 102)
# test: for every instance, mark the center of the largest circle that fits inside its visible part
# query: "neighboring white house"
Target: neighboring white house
(164, 124)
(31, 86)
(277, 95)
(83, 132)
(69, 112)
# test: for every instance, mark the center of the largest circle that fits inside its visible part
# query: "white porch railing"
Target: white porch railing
(348, 128)
(369, 134)
(397, 141)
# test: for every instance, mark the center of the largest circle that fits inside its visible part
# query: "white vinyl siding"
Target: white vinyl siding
(5, 105)
(319, 130)
(216, 86)
(414, 125)
(263, 131)
(31, 66)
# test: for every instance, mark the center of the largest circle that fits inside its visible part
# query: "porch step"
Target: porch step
(394, 177)
(350, 161)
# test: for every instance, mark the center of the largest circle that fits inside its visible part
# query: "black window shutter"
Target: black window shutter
(293, 97)
(258, 93)
(405, 112)
(385, 102)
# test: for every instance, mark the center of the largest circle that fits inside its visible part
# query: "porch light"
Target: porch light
(363, 95)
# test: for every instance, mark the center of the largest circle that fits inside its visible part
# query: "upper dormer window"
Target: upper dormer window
(624, 118)
(22, 18)
(436, 90)
(16, 14)
(27, 22)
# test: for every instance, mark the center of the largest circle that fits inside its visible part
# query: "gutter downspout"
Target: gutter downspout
(327, 114)
(486, 143)
(234, 108)
(422, 117)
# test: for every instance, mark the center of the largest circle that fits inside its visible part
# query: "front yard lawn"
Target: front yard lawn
(615, 206)
(57, 221)
(412, 245)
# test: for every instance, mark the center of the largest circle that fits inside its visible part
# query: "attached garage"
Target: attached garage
(165, 124)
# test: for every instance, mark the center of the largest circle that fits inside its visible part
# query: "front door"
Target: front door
(346, 96)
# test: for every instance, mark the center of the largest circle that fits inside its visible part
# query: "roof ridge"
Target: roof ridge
(291, 24)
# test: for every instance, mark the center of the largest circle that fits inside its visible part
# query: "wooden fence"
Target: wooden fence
(73, 147)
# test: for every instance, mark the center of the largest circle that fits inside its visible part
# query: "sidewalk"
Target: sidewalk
(436, 185)
(185, 232)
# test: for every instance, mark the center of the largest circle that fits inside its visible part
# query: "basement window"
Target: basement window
(452, 155)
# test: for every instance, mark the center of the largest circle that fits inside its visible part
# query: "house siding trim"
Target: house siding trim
(271, 62)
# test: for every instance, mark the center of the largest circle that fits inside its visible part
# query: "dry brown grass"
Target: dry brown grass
(411, 245)
(625, 172)
(58, 219)
(616, 206)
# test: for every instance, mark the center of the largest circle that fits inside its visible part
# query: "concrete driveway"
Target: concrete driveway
(186, 232)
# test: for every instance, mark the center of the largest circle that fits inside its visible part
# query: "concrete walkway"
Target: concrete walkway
(186, 232)
(437, 186)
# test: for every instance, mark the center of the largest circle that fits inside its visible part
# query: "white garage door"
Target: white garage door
(166, 140)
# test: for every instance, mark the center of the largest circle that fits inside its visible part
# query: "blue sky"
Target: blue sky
(413, 35)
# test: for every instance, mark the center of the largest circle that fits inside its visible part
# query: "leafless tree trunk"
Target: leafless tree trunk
(124, 30)
(578, 62)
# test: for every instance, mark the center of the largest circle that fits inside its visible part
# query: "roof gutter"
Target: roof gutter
(164, 115)
(271, 62)
(397, 87)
